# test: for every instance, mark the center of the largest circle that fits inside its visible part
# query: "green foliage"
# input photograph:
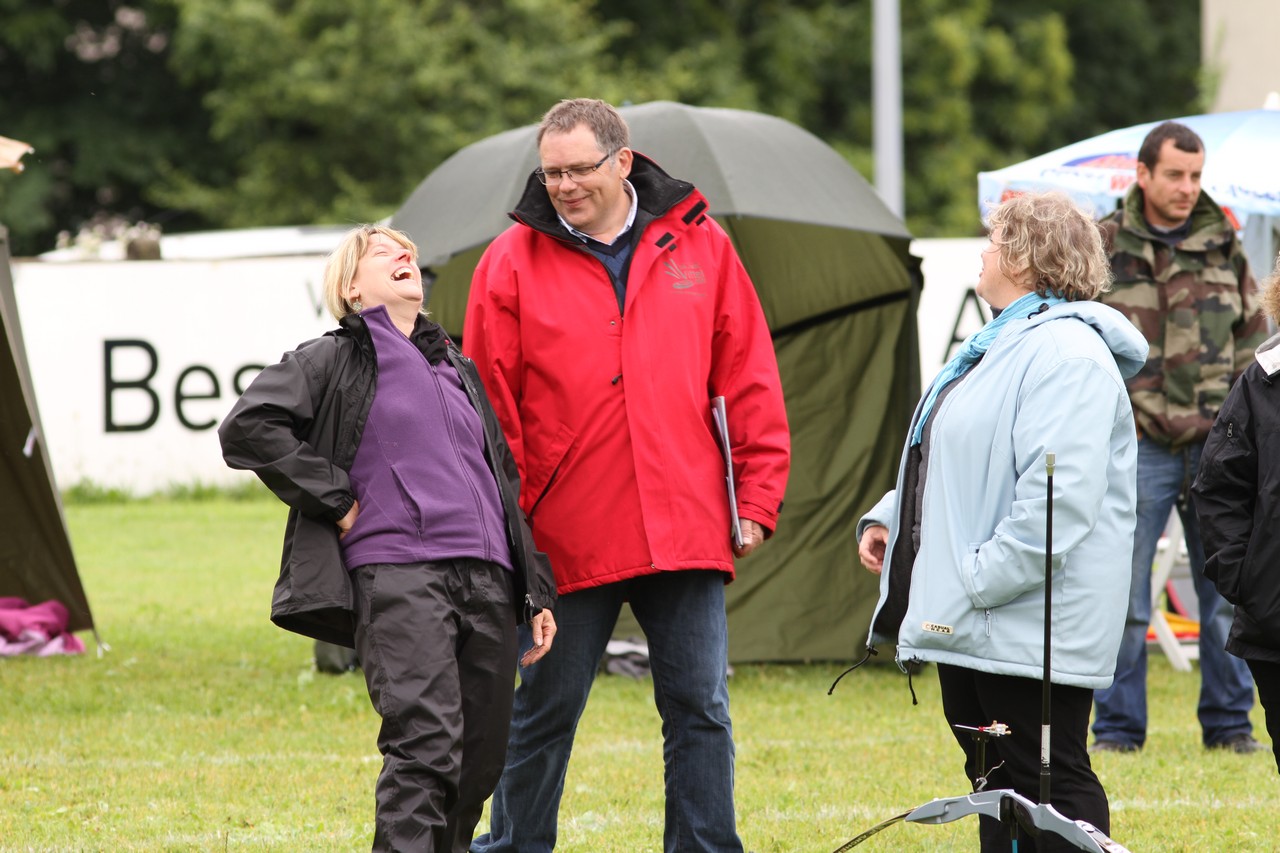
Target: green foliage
(247, 491)
(329, 115)
(85, 83)
(1137, 61)
(976, 92)
(87, 492)
(258, 112)
(207, 728)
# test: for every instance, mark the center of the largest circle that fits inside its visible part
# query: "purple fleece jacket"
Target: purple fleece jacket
(425, 491)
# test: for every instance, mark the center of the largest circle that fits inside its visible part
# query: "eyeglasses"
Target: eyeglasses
(575, 174)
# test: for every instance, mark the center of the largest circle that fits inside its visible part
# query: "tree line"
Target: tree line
(196, 114)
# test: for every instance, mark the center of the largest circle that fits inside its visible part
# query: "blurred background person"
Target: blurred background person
(1181, 277)
(960, 542)
(405, 538)
(1238, 500)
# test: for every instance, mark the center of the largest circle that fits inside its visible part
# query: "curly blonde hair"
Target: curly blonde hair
(340, 268)
(1271, 294)
(1052, 246)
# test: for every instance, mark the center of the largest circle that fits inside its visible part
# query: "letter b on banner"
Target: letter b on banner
(143, 385)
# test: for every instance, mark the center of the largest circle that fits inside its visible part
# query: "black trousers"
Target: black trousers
(972, 698)
(437, 643)
(1267, 676)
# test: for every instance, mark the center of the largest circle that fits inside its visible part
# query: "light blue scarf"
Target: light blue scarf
(974, 347)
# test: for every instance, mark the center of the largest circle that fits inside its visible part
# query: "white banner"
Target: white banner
(135, 363)
(949, 309)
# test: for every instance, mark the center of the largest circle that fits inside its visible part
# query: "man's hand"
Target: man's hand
(348, 521)
(871, 549)
(752, 536)
(544, 630)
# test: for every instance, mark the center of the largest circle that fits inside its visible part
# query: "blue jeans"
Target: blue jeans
(1226, 689)
(682, 615)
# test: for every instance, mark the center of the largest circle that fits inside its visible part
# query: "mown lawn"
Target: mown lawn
(206, 728)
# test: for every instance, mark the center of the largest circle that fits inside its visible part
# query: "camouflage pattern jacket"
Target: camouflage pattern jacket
(1197, 305)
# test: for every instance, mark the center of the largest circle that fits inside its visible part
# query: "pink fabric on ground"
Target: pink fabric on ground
(39, 629)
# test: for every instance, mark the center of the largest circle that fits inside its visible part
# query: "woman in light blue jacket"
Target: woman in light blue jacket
(960, 543)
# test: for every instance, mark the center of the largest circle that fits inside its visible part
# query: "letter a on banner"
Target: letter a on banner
(970, 305)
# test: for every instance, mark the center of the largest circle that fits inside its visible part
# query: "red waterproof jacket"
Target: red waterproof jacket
(607, 414)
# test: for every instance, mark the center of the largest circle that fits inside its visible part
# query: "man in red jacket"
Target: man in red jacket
(603, 322)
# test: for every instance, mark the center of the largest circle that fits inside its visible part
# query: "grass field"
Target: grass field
(205, 728)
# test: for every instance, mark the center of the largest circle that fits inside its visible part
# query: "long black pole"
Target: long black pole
(1049, 459)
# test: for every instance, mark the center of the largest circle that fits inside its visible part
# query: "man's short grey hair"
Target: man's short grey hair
(609, 127)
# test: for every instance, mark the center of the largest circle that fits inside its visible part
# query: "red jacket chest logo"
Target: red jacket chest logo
(685, 275)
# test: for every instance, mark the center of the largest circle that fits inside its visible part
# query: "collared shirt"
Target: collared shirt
(616, 254)
(626, 226)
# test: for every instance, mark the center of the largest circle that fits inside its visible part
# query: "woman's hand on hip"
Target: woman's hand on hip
(348, 521)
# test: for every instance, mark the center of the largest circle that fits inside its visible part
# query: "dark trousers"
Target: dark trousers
(1267, 676)
(972, 698)
(437, 642)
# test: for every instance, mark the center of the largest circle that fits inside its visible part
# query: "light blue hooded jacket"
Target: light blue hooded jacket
(975, 598)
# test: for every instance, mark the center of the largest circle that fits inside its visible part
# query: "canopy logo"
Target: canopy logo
(1123, 160)
(685, 275)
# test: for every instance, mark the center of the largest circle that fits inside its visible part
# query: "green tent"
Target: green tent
(36, 562)
(839, 290)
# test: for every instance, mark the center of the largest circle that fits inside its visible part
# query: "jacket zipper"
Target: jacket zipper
(509, 504)
(545, 489)
(478, 504)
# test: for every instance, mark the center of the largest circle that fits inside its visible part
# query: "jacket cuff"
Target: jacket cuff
(760, 506)
(344, 507)
(879, 515)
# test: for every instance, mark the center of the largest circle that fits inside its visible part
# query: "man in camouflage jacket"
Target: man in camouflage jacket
(1182, 279)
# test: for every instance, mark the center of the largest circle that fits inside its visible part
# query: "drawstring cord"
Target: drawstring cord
(870, 651)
